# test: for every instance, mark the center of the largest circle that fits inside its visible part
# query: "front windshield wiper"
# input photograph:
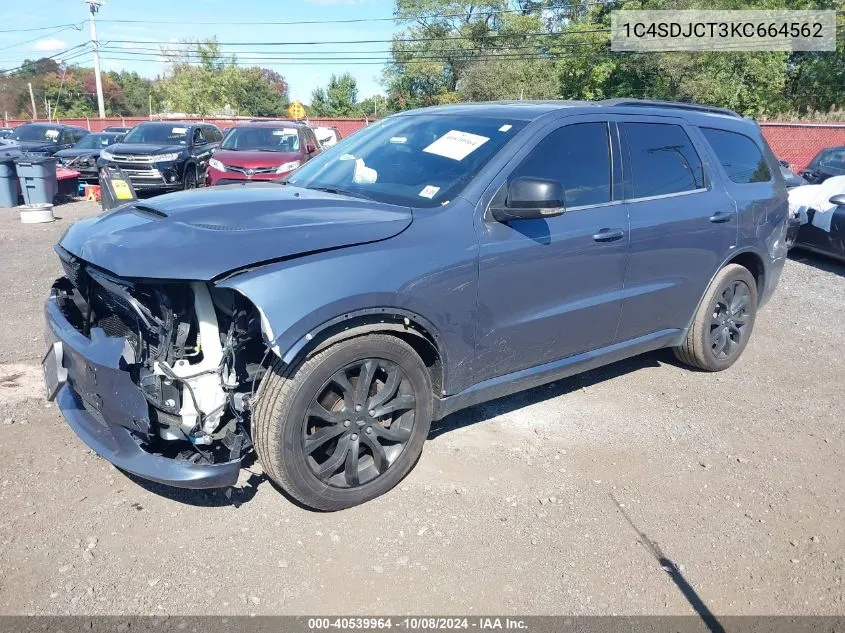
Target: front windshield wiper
(341, 192)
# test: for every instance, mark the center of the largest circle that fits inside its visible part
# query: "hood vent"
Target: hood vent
(148, 212)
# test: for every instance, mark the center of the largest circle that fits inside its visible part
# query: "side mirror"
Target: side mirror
(784, 163)
(530, 199)
(839, 199)
(309, 148)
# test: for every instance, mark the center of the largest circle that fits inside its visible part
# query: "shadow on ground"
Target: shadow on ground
(821, 262)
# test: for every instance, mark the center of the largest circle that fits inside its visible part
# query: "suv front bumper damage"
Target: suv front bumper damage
(93, 389)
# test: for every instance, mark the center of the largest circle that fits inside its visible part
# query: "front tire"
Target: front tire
(723, 322)
(345, 425)
(190, 179)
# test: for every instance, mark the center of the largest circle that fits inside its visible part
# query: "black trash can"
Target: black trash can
(38, 178)
(8, 178)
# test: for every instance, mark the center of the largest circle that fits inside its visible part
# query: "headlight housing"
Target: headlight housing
(216, 164)
(289, 166)
(166, 158)
(105, 155)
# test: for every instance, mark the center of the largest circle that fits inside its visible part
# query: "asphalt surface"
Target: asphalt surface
(571, 498)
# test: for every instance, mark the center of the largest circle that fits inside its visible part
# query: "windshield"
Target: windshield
(36, 133)
(832, 158)
(158, 135)
(95, 141)
(280, 139)
(417, 160)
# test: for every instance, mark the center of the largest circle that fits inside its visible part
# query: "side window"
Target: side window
(79, 135)
(833, 158)
(199, 139)
(576, 155)
(67, 137)
(213, 134)
(739, 155)
(663, 160)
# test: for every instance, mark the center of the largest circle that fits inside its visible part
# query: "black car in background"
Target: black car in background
(84, 154)
(828, 162)
(6, 132)
(123, 129)
(162, 155)
(45, 139)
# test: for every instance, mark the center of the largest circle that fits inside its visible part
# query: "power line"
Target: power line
(470, 15)
(60, 54)
(77, 26)
(35, 39)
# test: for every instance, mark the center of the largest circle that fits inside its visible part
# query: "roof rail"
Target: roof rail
(649, 103)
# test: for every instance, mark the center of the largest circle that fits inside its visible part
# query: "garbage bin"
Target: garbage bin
(38, 178)
(8, 179)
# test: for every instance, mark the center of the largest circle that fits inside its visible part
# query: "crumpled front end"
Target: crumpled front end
(156, 377)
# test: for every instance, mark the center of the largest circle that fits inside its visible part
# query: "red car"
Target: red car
(261, 150)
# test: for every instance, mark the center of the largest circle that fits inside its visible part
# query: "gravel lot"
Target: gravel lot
(738, 478)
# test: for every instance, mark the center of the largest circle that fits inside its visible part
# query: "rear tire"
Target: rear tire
(331, 445)
(723, 323)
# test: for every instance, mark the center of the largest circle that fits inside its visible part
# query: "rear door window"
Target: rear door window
(740, 157)
(663, 160)
(578, 156)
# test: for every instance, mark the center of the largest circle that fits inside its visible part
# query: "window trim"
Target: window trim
(710, 147)
(628, 163)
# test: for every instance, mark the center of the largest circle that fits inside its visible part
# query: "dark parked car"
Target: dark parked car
(164, 155)
(828, 162)
(790, 178)
(46, 139)
(823, 208)
(84, 154)
(434, 260)
(266, 150)
(6, 132)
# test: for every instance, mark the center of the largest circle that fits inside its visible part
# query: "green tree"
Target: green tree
(338, 99)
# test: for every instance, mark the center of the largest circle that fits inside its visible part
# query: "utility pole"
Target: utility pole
(93, 7)
(32, 101)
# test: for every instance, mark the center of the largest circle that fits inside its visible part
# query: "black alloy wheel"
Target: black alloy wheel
(730, 316)
(359, 423)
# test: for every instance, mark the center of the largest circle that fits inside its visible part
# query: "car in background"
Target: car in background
(327, 136)
(821, 217)
(6, 132)
(828, 162)
(45, 139)
(123, 129)
(262, 150)
(789, 176)
(158, 155)
(83, 156)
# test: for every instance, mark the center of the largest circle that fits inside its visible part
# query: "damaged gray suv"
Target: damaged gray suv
(437, 259)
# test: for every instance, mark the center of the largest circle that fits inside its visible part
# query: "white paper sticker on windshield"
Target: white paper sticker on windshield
(51, 133)
(347, 157)
(456, 145)
(398, 139)
(429, 191)
(284, 132)
(505, 127)
(179, 130)
(363, 174)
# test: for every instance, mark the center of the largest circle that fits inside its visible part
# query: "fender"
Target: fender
(762, 295)
(305, 299)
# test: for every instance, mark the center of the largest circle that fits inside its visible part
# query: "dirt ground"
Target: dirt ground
(541, 503)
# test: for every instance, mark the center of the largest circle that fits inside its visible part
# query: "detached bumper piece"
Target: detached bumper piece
(93, 388)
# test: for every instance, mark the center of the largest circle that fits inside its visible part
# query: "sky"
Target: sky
(191, 20)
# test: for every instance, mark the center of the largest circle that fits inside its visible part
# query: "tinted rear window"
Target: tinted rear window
(663, 160)
(739, 155)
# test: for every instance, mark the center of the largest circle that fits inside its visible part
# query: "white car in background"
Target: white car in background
(327, 136)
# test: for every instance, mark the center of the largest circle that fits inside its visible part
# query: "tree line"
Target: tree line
(475, 50)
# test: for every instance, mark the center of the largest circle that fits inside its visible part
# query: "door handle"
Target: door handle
(721, 216)
(608, 235)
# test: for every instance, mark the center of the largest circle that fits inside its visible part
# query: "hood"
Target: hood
(205, 233)
(37, 146)
(76, 153)
(144, 149)
(251, 158)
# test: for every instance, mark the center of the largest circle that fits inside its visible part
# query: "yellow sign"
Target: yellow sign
(296, 111)
(121, 190)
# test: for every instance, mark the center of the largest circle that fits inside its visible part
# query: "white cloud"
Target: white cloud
(46, 46)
